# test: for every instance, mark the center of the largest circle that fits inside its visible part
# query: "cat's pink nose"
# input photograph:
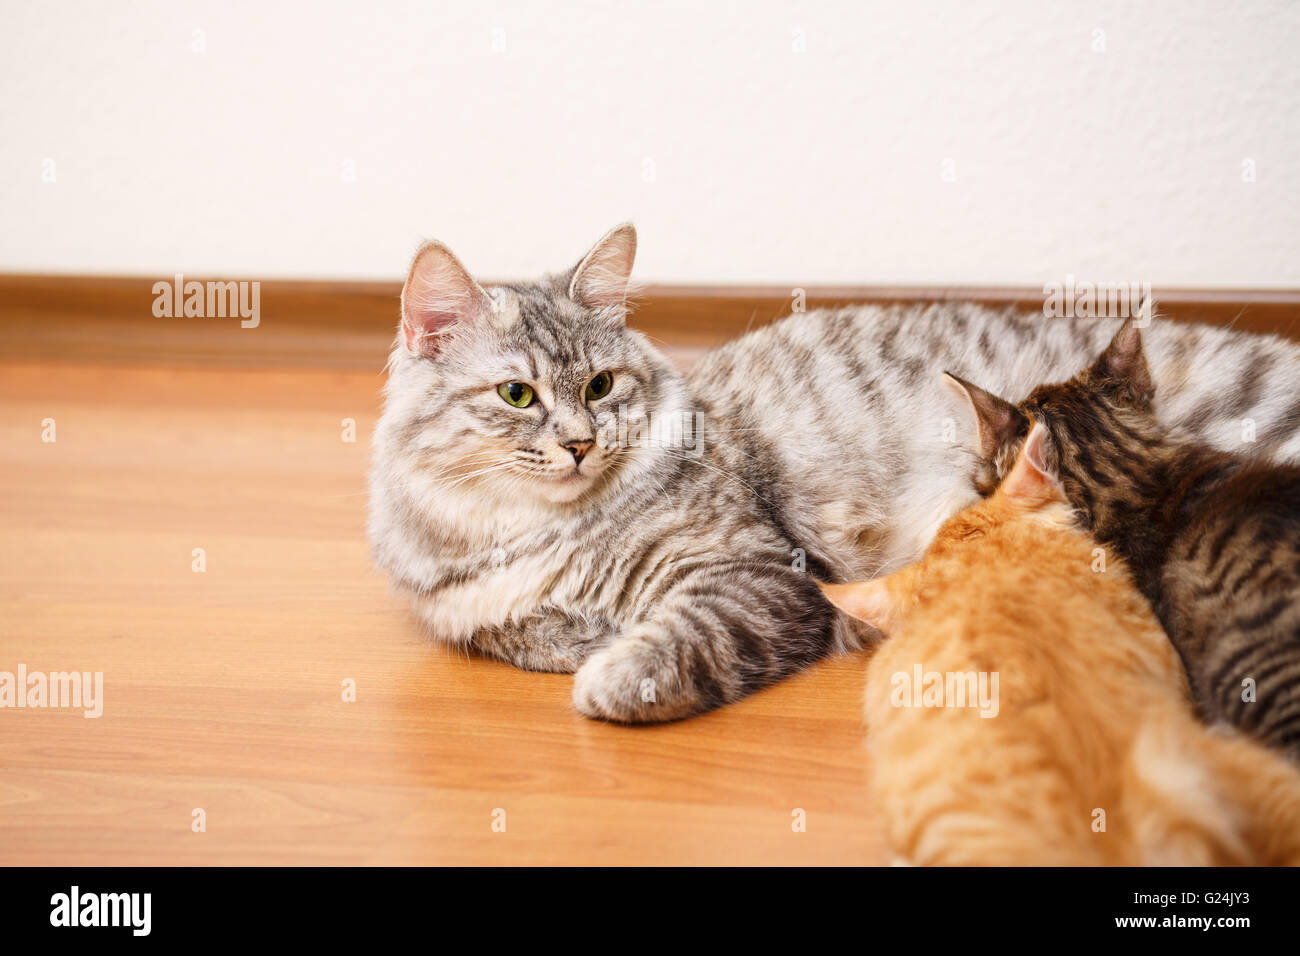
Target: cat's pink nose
(578, 449)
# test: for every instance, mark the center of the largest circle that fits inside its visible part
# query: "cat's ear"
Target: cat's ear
(1030, 478)
(1000, 422)
(439, 296)
(601, 279)
(868, 601)
(1124, 364)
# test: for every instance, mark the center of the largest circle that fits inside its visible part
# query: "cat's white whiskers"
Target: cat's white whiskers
(461, 479)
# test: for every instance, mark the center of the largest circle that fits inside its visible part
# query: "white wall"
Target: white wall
(769, 165)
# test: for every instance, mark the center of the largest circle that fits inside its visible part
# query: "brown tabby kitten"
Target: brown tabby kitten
(1213, 538)
(1028, 709)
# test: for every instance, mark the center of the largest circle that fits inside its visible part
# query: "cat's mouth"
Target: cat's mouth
(585, 470)
(569, 483)
(579, 473)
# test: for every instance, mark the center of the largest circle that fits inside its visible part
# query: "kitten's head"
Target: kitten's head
(1029, 495)
(506, 390)
(1095, 421)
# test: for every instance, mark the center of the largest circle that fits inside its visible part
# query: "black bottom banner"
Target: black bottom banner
(113, 906)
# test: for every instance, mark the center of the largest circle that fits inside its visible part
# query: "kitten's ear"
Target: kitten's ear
(601, 278)
(865, 600)
(439, 296)
(1124, 363)
(1000, 422)
(1030, 478)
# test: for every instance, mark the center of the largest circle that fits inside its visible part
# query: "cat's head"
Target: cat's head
(1095, 421)
(1029, 495)
(510, 390)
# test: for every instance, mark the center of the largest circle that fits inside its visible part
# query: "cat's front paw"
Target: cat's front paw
(552, 643)
(551, 659)
(632, 681)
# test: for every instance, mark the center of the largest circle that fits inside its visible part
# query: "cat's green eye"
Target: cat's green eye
(516, 393)
(599, 386)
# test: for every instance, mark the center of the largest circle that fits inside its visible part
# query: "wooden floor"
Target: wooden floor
(223, 690)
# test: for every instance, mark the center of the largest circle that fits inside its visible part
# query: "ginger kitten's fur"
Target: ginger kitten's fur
(1093, 715)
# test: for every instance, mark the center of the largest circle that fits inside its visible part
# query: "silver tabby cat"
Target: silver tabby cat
(549, 490)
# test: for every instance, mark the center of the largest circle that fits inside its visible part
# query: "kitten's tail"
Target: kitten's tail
(1208, 797)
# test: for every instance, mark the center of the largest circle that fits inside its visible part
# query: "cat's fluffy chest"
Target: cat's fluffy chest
(507, 589)
(493, 565)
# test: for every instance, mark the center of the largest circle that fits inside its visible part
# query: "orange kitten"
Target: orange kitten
(1028, 708)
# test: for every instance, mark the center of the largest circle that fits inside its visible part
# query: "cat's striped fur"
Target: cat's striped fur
(673, 582)
(1212, 536)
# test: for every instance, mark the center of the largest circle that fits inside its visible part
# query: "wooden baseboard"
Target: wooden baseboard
(351, 324)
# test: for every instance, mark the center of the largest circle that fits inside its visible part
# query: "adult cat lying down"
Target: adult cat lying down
(675, 579)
